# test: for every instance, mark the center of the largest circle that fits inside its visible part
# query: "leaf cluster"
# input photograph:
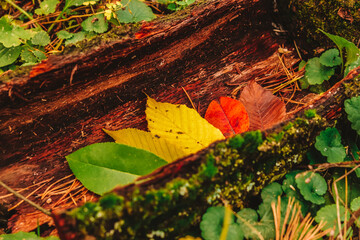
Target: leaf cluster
(49, 25)
(320, 69)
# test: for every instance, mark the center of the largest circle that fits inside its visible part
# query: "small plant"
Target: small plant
(320, 69)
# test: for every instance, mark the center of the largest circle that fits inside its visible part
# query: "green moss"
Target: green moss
(305, 17)
(310, 113)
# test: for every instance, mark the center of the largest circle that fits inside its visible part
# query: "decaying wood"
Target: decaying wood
(65, 102)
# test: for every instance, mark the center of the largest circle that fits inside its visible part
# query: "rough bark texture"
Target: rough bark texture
(63, 104)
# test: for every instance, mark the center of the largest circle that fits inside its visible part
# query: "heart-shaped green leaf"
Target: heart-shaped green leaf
(102, 166)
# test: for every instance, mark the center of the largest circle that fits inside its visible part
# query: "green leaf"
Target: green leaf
(135, 11)
(212, 224)
(30, 56)
(265, 227)
(316, 73)
(8, 55)
(12, 36)
(41, 38)
(77, 37)
(63, 34)
(102, 166)
(352, 66)
(352, 51)
(355, 204)
(312, 186)
(146, 141)
(352, 108)
(95, 23)
(330, 58)
(329, 215)
(47, 7)
(25, 236)
(271, 192)
(329, 144)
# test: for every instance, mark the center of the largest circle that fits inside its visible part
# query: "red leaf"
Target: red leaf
(229, 116)
(264, 109)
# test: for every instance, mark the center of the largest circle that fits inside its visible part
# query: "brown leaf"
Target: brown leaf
(264, 109)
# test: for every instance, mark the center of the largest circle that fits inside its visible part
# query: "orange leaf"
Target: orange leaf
(264, 109)
(229, 116)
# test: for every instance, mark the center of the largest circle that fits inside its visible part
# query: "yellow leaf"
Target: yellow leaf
(146, 141)
(180, 125)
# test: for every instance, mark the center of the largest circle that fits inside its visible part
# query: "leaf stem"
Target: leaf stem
(22, 11)
(35, 205)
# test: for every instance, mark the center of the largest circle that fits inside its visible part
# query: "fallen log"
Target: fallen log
(210, 49)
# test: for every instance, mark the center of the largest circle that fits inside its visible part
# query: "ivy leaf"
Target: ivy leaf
(329, 215)
(47, 7)
(329, 144)
(265, 227)
(180, 125)
(312, 186)
(135, 11)
(330, 58)
(316, 73)
(102, 166)
(41, 38)
(264, 109)
(352, 108)
(95, 23)
(212, 224)
(63, 34)
(8, 55)
(228, 115)
(146, 141)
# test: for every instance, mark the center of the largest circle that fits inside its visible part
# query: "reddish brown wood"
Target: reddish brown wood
(208, 49)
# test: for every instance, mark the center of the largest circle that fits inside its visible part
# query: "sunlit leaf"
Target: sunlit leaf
(264, 109)
(180, 125)
(41, 38)
(145, 140)
(95, 23)
(228, 115)
(63, 34)
(102, 166)
(135, 11)
(25, 236)
(47, 7)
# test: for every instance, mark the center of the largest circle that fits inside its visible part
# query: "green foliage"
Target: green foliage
(25, 236)
(174, 5)
(212, 224)
(8, 55)
(113, 163)
(312, 187)
(329, 144)
(264, 226)
(317, 70)
(352, 108)
(330, 215)
(95, 23)
(310, 113)
(47, 7)
(316, 73)
(330, 58)
(135, 11)
(41, 38)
